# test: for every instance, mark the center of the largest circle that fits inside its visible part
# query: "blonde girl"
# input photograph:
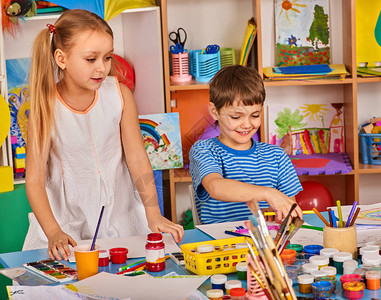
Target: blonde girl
(85, 149)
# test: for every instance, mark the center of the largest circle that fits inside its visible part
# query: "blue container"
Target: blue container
(312, 249)
(204, 66)
(370, 144)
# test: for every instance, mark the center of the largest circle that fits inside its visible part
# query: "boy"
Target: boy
(232, 173)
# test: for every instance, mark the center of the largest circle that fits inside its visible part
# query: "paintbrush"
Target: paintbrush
(298, 223)
(286, 233)
(284, 224)
(270, 252)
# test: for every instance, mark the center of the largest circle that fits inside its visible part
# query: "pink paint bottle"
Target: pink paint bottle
(155, 252)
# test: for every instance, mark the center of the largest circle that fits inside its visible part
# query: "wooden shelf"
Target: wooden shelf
(307, 82)
(182, 175)
(368, 79)
(369, 169)
(189, 85)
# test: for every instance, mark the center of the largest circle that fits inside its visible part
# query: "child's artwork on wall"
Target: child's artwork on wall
(18, 97)
(162, 140)
(307, 128)
(302, 32)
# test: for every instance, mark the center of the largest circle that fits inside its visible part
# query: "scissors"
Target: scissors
(176, 49)
(175, 36)
(212, 49)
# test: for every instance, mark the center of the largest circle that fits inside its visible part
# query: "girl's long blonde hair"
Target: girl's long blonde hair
(44, 72)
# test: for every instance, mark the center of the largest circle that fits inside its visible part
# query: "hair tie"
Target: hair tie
(51, 28)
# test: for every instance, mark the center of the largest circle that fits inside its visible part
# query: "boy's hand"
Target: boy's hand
(59, 243)
(281, 204)
(157, 223)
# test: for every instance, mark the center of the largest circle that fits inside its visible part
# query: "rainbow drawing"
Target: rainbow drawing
(149, 126)
(162, 140)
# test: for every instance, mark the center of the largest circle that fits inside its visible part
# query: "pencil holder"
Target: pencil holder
(344, 239)
(204, 66)
(180, 67)
(254, 290)
(370, 148)
(227, 57)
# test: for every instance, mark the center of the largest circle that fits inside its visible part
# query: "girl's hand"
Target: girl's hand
(157, 223)
(59, 243)
(269, 218)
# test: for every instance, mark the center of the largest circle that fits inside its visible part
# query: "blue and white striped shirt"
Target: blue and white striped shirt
(263, 164)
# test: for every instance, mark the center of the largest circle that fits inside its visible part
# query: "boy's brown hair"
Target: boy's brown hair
(236, 82)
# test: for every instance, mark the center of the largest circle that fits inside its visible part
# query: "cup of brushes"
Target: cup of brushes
(342, 234)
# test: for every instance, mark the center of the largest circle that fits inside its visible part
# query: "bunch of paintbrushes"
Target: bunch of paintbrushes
(269, 270)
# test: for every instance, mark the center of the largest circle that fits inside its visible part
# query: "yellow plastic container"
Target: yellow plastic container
(222, 260)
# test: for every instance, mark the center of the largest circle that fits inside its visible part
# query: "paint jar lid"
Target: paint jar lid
(319, 260)
(296, 247)
(328, 251)
(218, 279)
(235, 292)
(241, 245)
(329, 271)
(309, 267)
(342, 256)
(215, 293)
(322, 285)
(230, 284)
(318, 273)
(369, 249)
(351, 264)
(372, 275)
(315, 249)
(306, 279)
(242, 266)
(360, 271)
(372, 259)
(354, 286)
(104, 254)
(374, 243)
(205, 248)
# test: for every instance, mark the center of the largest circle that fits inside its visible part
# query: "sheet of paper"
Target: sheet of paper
(58, 292)
(122, 287)
(134, 244)
(217, 230)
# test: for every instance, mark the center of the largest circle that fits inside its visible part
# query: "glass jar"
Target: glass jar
(155, 252)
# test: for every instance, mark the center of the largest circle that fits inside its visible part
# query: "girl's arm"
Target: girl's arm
(236, 191)
(38, 199)
(140, 168)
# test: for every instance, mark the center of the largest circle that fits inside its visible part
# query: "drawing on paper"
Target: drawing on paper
(370, 214)
(307, 128)
(162, 140)
(302, 32)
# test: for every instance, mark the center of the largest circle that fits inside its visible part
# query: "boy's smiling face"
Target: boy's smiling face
(238, 123)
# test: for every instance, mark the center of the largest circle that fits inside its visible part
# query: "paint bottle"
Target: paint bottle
(329, 252)
(237, 294)
(155, 252)
(309, 268)
(305, 281)
(349, 277)
(104, 257)
(361, 272)
(367, 250)
(371, 260)
(218, 281)
(311, 250)
(329, 271)
(241, 270)
(288, 256)
(322, 289)
(207, 248)
(338, 260)
(332, 280)
(349, 266)
(231, 284)
(354, 289)
(215, 294)
(372, 280)
(317, 274)
(320, 261)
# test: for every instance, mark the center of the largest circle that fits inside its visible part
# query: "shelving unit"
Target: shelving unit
(142, 48)
(345, 187)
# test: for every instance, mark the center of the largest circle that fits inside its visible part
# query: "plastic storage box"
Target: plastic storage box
(370, 144)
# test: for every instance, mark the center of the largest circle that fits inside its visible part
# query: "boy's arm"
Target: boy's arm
(38, 200)
(140, 168)
(230, 190)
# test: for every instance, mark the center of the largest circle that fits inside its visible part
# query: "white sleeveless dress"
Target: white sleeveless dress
(87, 169)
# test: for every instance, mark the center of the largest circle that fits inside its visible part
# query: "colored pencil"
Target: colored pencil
(330, 217)
(320, 216)
(273, 213)
(96, 231)
(132, 268)
(235, 233)
(312, 227)
(131, 265)
(355, 216)
(333, 218)
(351, 213)
(338, 203)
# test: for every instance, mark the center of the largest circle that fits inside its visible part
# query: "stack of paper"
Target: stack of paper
(306, 72)
(369, 71)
